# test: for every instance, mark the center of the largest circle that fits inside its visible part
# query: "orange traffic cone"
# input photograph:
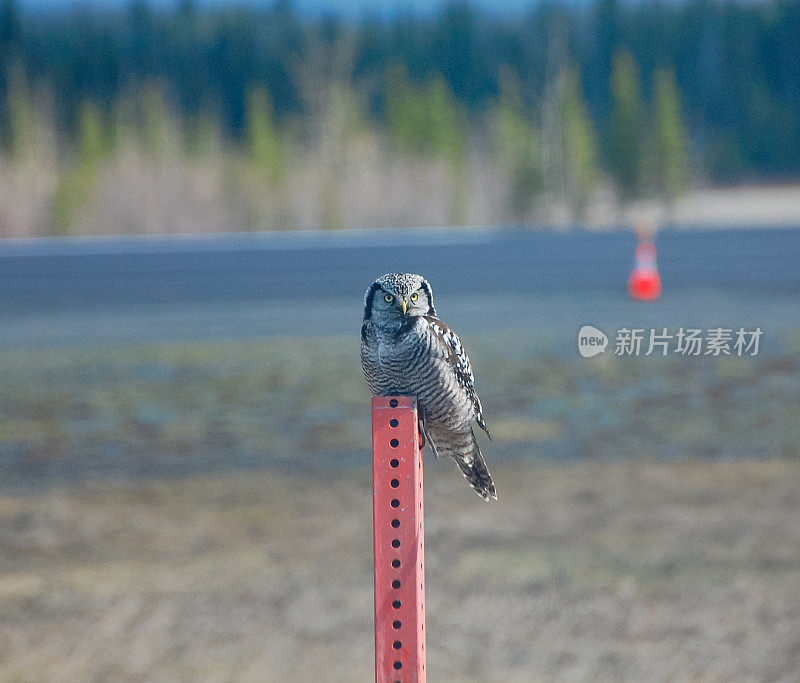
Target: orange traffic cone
(645, 283)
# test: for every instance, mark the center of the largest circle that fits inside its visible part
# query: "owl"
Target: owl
(407, 350)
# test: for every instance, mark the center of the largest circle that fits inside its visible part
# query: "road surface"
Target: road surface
(136, 289)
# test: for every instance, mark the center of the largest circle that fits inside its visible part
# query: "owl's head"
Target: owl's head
(398, 295)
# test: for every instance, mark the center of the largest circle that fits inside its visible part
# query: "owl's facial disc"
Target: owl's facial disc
(397, 296)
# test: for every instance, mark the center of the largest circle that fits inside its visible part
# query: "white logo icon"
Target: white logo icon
(591, 341)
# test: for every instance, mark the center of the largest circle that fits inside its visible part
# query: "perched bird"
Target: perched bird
(407, 350)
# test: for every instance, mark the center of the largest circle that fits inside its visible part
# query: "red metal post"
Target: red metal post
(398, 541)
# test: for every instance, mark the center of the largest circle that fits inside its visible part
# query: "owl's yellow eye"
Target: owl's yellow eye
(388, 298)
(414, 296)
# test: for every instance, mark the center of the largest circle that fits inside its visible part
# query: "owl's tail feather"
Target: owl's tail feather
(477, 475)
(464, 449)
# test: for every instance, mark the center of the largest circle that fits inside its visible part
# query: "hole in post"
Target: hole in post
(393, 403)
(396, 564)
(398, 665)
(396, 624)
(393, 422)
(397, 644)
(396, 604)
(396, 543)
(395, 523)
(395, 503)
(394, 462)
(394, 483)
(395, 584)
(394, 443)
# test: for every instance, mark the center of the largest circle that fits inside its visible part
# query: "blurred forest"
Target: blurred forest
(139, 119)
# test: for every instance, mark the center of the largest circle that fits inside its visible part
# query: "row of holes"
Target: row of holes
(395, 463)
(395, 503)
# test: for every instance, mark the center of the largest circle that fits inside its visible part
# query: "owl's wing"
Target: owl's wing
(458, 360)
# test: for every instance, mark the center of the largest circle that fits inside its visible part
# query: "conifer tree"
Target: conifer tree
(579, 143)
(670, 137)
(626, 126)
(263, 140)
(518, 148)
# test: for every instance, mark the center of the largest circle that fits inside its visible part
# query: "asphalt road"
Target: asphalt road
(128, 289)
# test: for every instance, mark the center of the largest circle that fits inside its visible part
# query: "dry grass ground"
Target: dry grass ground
(358, 183)
(579, 572)
(202, 512)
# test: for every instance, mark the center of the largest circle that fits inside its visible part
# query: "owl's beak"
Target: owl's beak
(404, 304)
